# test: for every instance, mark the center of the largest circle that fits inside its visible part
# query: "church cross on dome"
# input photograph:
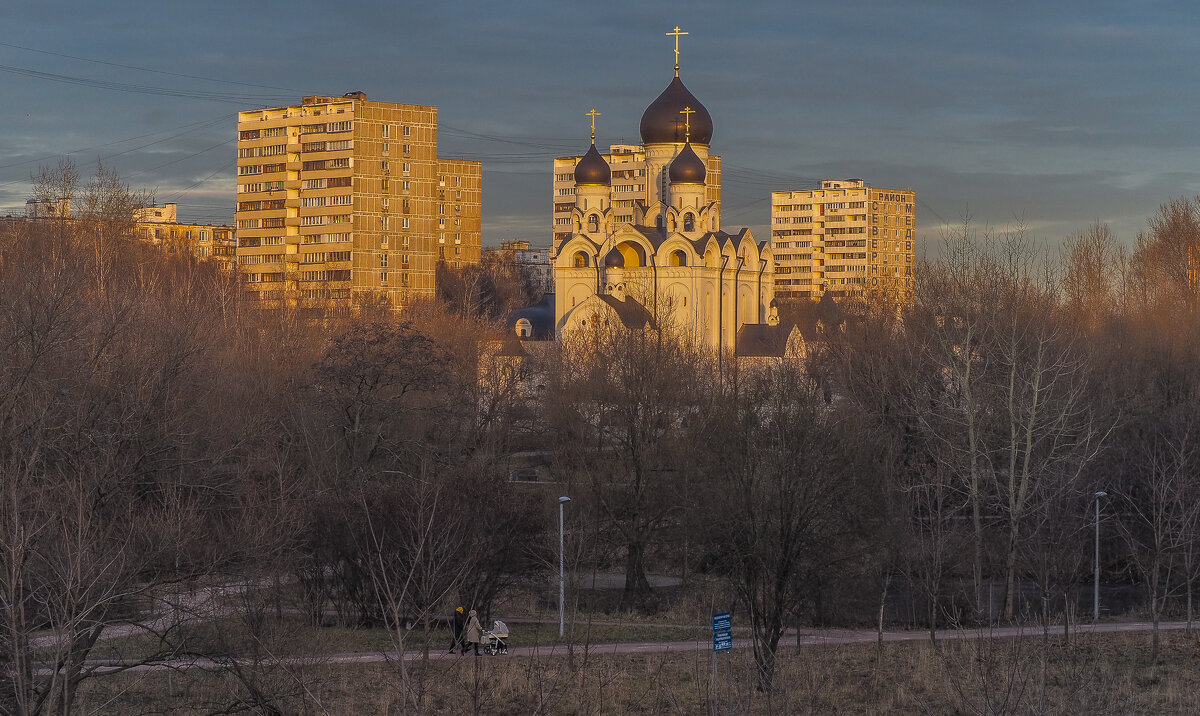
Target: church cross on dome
(593, 114)
(677, 33)
(687, 113)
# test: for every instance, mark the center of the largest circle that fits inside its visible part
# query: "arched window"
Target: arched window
(524, 328)
(581, 259)
(689, 222)
(678, 258)
(593, 223)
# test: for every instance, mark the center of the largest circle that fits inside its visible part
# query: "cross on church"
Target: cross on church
(677, 33)
(593, 114)
(687, 113)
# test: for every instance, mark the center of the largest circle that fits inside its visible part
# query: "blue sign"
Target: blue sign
(722, 621)
(722, 640)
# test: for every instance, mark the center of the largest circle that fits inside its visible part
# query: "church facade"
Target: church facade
(669, 261)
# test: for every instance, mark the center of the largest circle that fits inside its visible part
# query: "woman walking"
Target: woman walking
(473, 631)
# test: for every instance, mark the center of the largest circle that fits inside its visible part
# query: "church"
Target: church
(658, 256)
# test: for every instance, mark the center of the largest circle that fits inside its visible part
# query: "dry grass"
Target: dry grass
(1101, 674)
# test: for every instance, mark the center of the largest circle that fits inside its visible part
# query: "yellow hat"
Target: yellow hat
(459, 609)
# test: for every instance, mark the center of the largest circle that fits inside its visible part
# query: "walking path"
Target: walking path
(813, 637)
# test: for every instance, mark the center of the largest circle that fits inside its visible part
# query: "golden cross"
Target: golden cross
(593, 114)
(687, 113)
(676, 33)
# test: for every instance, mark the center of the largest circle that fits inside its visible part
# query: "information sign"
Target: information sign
(722, 640)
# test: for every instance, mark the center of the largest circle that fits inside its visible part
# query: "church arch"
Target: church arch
(593, 222)
(524, 328)
(634, 254)
(580, 259)
(689, 222)
(677, 258)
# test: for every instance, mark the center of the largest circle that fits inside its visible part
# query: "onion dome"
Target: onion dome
(687, 168)
(592, 169)
(663, 123)
(614, 259)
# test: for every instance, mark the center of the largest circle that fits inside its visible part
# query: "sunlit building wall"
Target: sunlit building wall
(160, 225)
(846, 238)
(343, 198)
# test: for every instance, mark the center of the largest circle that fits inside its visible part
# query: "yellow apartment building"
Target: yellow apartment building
(846, 238)
(630, 184)
(160, 225)
(342, 199)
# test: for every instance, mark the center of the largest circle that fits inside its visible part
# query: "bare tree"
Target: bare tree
(620, 401)
(787, 497)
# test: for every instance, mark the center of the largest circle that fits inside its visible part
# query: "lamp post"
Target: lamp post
(562, 573)
(1096, 560)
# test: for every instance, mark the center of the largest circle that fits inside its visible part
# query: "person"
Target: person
(474, 632)
(456, 627)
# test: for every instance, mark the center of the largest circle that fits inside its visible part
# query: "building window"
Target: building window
(383, 261)
(387, 131)
(407, 130)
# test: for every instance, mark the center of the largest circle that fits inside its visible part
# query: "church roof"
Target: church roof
(540, 316)
(631, 313)
(657, 236)
(687, 168)
(761, 340)
(592, 169)
(510, 348)
(663, 123)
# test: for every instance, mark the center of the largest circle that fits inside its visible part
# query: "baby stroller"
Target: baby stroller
(495, 640)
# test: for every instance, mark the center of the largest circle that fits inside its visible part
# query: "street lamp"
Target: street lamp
(562, 573)
(1096, 587)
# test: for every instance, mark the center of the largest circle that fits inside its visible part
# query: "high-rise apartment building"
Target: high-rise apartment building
(629, 183)
(343, 198)
(846, 238)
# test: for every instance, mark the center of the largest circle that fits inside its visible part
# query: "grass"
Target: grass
(1097, 674)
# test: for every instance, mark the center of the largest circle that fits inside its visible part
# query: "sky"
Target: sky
(1050, 115)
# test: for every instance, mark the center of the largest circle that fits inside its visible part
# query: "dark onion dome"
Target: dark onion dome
(614, 259)
(592, 169)
(687, 168)
(663, 123)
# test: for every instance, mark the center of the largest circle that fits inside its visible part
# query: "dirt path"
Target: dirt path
(814, 637)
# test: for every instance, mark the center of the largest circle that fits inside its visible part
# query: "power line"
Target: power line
(224, 167)
(232, 98)
(146, 69)
(109, 144)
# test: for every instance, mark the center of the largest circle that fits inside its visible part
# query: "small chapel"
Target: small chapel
(673, 264)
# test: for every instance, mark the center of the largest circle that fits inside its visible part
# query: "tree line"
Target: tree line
(178, 460)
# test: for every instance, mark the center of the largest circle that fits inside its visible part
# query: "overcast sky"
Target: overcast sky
(1053, 113)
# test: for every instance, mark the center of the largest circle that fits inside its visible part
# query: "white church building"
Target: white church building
(673, 263)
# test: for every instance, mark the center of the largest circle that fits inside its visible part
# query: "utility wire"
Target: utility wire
(231, 98)
(147, 69)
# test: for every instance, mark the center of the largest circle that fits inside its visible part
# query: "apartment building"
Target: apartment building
(342, 199)
(629, 184)
(846, 238)
(160, 225)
